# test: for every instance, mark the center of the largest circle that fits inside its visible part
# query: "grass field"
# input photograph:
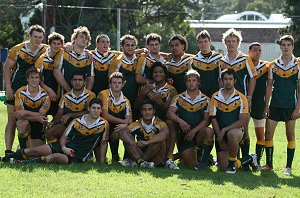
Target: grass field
(94, 180)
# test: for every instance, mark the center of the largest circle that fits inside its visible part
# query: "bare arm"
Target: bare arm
(103, 151)
(50, 92)
(161, 136)
(61, 79)
(8, 66)
(295, 113)
(90, 82)
(268, 96)
(142, 80)
(113, 119)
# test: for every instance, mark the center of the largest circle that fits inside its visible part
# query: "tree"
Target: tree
(292, 9)
(11, 32)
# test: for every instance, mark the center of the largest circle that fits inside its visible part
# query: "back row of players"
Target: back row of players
(150, 81)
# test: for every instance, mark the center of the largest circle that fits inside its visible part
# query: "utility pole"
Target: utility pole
(118, 28)
(44, 17)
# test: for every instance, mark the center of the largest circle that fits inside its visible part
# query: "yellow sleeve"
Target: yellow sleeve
(140, 65)
(244, 104)
(104, 99)
(18, 100)
(212, 107)
(14, 51)
(39, 62)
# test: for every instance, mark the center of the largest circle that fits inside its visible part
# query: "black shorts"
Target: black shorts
(280, 114)
(56, 148)
(257, 113)
(37, 131)
(184, 144)
(53, 108)
(10, 102)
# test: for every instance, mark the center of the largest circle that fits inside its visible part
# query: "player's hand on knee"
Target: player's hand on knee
(43, 119)
(266, 112)
(9, 93)
(190, 135)
(19, 114)
(184, 126)
(142, 143)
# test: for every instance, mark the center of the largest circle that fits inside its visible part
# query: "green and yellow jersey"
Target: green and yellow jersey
(209, 70)
(83, 138)
(285, 82)
(177, 71)
(191, 110)
(258, 97)
(146, 132)
(244, 68)
(119, 109)
(144, 65)
(25, 59)
(127, 68)
(71, 62)
(46, 65)
(228, 111)
(167, 92)
(71, 103)
(25, 101)
(100, 65)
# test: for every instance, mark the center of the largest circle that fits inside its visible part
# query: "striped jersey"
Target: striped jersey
(144, 65)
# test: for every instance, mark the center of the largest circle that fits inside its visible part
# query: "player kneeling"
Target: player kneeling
(83, 135)
(149, 149)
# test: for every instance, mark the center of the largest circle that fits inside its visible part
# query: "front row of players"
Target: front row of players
(74, 132)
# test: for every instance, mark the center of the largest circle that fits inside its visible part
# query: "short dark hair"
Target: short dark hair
(228, 71)
(55, 36)
(181, 39)
(33, 70)
(79, 73)
(95, 101)
(153, 37)
(159, 64)
(147, 101)
(287, 38)
(37, 28)
(203, 34)
(254, 44)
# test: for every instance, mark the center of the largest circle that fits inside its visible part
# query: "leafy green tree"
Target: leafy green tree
(11, 32)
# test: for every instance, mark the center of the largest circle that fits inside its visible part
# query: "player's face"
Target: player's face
(116, 84)
(77, 82)
(204, 45)
(33, 80)
(56, 45)
(154, 46)
(95, 110)
(147, 111)
(159, 74)
(228, 81)
(81, 40)
(103, 45)
(192, 83)
(36, 38)
(231, 43)
(286, 47)
(255, 53)
(129, 47)
(177, 48)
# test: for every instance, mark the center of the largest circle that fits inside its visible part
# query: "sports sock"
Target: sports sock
(207, 147)
(231, 161)
(52, 141)
(200, 153)
(139, 161)
(245, 148)
(259, 150)
(23, 138)
(7, 152)
(19, 155)
(290, 153)
(269, 152)
(114, 147)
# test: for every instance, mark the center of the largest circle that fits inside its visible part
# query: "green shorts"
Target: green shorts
(184, 144)
(257, 113)
(280, 114)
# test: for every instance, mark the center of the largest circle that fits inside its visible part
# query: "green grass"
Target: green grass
(94, 180)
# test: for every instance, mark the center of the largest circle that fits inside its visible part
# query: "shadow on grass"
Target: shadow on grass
(245, 180)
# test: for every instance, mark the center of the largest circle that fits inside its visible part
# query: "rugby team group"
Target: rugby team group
(150, 100)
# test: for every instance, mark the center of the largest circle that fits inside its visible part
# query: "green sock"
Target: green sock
(290, 157)
(7, 152)
(200, 153)
(206, 153)
(269, 155)
(23, 140)
(245, 148)
(114, 147)
(246, 160)
(259, 150)
(231, 163)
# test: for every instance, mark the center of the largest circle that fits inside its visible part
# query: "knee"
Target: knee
(114, 136)
(22, 126)
(209, 134)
